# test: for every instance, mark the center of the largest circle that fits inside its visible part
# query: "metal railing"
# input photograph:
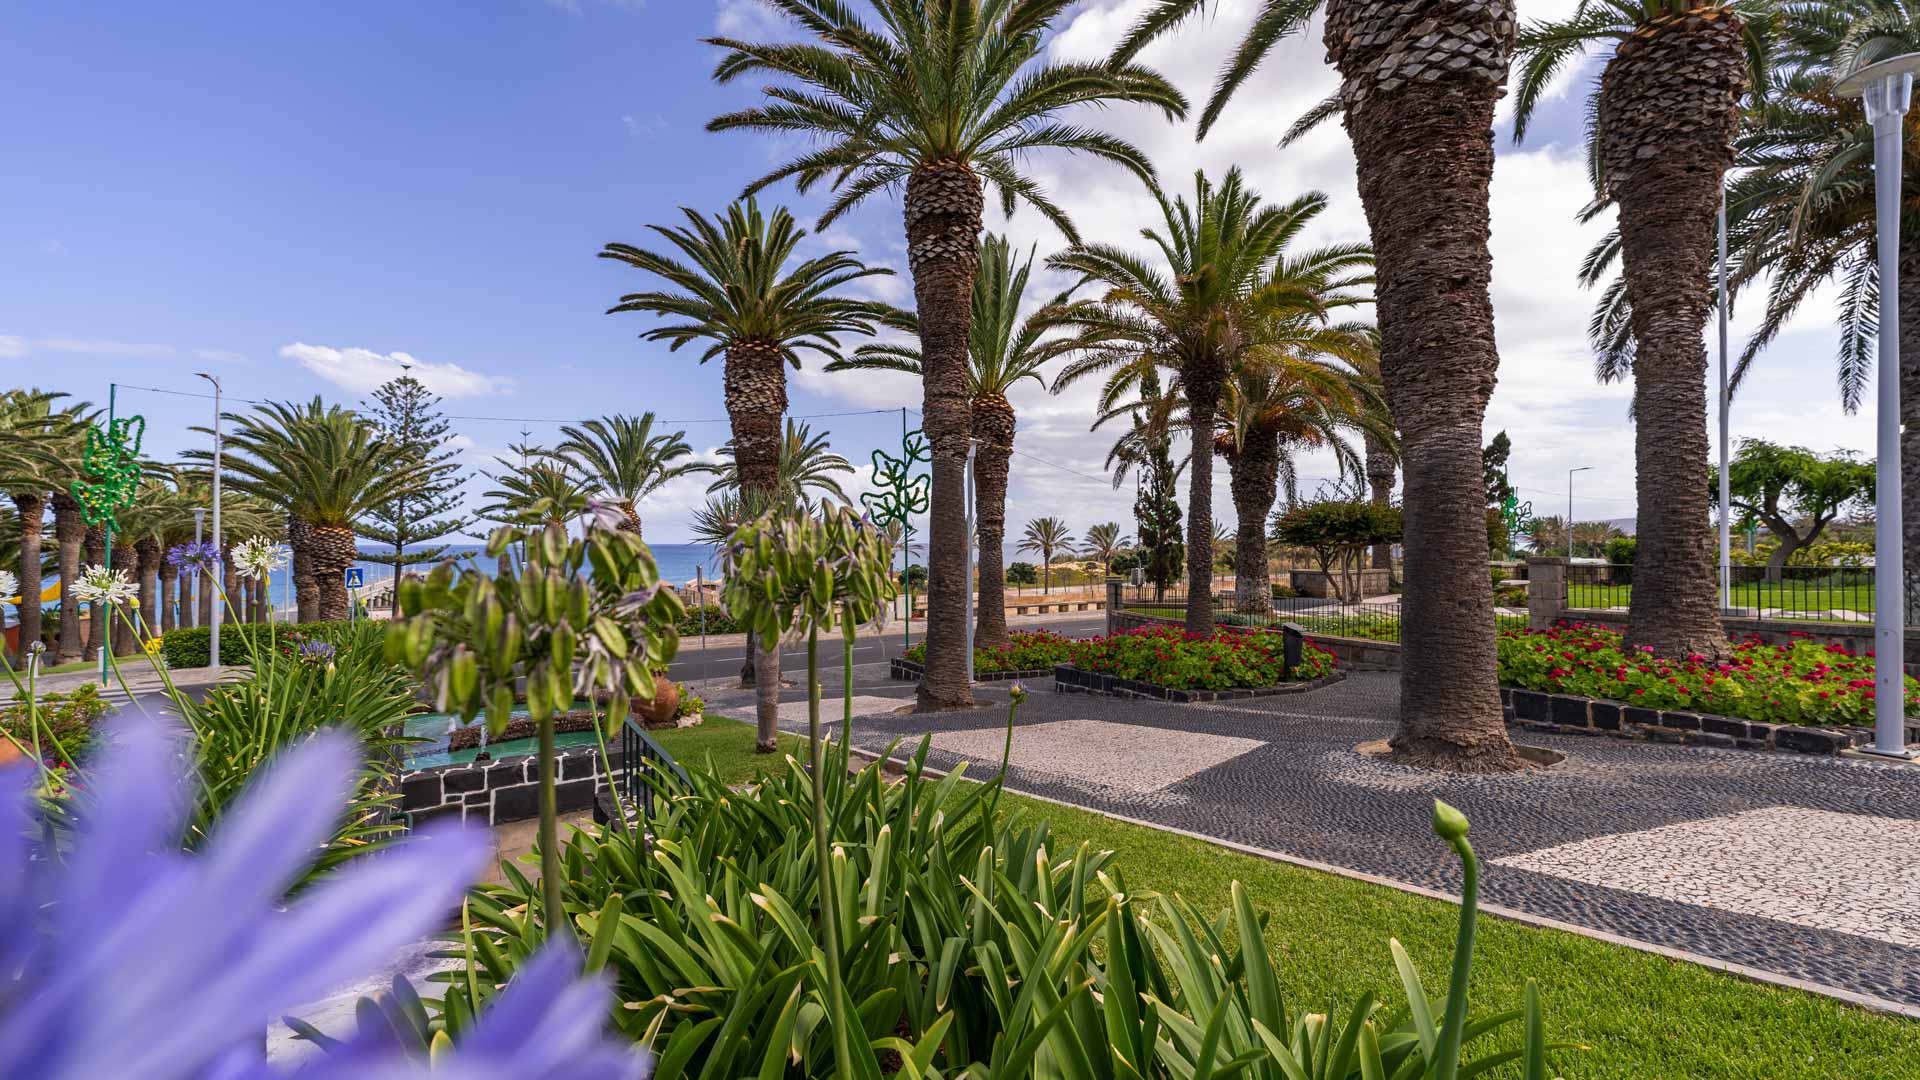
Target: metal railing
(645, 767)
(1842, 594)
(1375, 621)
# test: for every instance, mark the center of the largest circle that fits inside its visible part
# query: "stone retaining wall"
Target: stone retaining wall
(1570, 714)
(900, 668)
(506, 789)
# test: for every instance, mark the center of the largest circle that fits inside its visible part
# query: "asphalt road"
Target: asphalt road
(694, 664)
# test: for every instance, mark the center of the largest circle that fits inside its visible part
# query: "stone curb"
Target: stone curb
(899, 668)
(1571, 714)
(1498, 911)
(1068, 679)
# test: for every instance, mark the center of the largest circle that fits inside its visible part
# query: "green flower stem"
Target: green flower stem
(1452, 826)
(550, 891)
(829, 915)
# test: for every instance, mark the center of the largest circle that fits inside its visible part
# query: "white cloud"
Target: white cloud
(641, 127)
(14, 346)
(363, 370)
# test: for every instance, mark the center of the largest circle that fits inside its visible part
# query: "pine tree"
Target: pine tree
(1156, 515)
(408, 416)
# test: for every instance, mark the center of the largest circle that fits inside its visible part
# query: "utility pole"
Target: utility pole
(220, 597)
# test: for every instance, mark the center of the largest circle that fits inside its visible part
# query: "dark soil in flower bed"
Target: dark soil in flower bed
(1068, 679)
(523, 727)
(906, 669)
(1573, 714)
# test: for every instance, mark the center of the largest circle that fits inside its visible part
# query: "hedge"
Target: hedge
(187, 647)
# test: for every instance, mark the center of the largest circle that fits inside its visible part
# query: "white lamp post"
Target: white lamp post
(1885, 89)
(1726, 491)
(1570, 472)
(213, 633)
(971, 447)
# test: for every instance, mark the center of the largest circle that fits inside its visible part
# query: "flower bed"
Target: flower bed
(1169, 657)
(1802, 683)
(1026, 653)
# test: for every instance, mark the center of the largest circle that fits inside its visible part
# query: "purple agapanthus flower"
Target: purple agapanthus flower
(194, 557)
(125, 956)
(316, 652)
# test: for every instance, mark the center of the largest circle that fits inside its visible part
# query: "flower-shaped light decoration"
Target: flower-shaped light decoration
(194, 556)
(258, 558)
(9, 588)
(110, 464)
(99, 585)
(127, 957)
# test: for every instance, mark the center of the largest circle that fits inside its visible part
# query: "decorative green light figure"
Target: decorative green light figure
(110, 464)
(900, 497)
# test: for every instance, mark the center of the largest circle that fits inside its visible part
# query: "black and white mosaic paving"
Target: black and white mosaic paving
(1802, 866)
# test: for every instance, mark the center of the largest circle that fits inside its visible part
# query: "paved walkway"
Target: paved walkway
(1804, 866)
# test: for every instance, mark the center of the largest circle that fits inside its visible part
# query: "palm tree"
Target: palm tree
(622, 459)
(1196, 318)
(736, 292)
(941, 97)
(541, 490)
(1043, 537)
(1419, 81)
(69, 530)
(804, 476)
(1003, 349)
(1104, 543)
(322, 467)
(1661, 140)
(32, 432)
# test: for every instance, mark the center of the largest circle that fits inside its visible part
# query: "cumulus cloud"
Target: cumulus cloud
(363, 370)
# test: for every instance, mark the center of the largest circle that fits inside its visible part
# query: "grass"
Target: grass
(1799, 597)
(1640, 1016)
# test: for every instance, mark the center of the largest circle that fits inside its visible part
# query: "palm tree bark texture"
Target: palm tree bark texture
(1669, 108)
(31, 508)
(148, 557)
(993, 428)
(120, 631)
(1419, 82)
(69, 536)
(1203, 379)
(94, 545)
(943, 212)
(755, 383)
(331, 551)
(1253, 476)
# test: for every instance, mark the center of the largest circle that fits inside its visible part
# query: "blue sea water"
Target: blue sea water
(677, 563)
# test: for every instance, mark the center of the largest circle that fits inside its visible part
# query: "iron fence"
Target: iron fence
(645, 768)
(1374, 620)
(1841, 594)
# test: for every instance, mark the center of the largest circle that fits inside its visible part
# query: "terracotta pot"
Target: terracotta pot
(666, 699)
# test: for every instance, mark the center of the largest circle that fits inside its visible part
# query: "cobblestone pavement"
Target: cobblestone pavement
(1804, 866)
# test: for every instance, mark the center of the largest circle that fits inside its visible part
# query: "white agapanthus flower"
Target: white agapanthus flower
(99, 585)
(9, 586)
(258, 557)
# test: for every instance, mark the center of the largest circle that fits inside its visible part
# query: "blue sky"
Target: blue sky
(290, 196)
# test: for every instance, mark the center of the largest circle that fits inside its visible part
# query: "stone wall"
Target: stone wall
(1315, 583)
(1571, 714)
(507, 789)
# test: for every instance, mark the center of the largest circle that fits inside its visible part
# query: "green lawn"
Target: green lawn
(726, 746)
(1641, 1017)
(1786, 596)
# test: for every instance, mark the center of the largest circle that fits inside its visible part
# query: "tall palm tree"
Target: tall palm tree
(69, 530)
(1196, 317)
(1419, 81)
(1046, 537)
(805, 474)
(733, 289)
(321, 466)
(622, 459)
(1103, 543)
(540, 490)
(940, 97)
(1659, 145)
(1003, 349)
(32, 433)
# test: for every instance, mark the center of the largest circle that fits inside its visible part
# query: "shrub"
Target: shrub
(1337, 533)
(1801, 683)
(1022, 573)
(1622, 549)
(66, 723)
(1284, 592)
(187, 647)
(971, 943)
(717, 621)
(1223, 660)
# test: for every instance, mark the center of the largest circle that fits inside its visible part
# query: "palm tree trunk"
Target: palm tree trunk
(1423, 144)
(993, 426)
(70, 534)
(119, 628)
(169, 595)
(306, 585)
(31, 507)
(1669, 109)
(943, 205)
(1202, 380)
(331, 551)
(95, 546)
(1253, 475)
(1380, 484)
(203, 597)
(147, 558)
(234, 605)
(755, 384)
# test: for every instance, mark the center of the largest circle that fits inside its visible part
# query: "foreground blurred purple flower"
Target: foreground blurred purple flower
(128, 957)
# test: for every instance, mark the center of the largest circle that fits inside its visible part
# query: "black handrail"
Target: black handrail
(640, 752)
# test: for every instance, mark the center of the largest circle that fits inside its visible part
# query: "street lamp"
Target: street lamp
(1570, 472)
(1726, 490)
(213, 632)
(1885, 89)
